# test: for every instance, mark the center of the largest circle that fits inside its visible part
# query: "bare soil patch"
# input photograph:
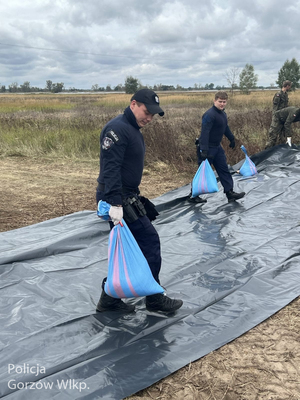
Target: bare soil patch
(263, 364)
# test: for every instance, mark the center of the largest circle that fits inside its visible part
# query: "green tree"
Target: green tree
(57, 87)
(25, 87)
(157, 87)
(95, 87)
(131, 85)
(289, 71)
(49, 85)
(248, 79)
(167, 87)
(119, 87)
(13, 87)
(209, 86)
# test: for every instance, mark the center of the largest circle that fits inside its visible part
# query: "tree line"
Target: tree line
(248, 79)
(26, 87)
(243, 80)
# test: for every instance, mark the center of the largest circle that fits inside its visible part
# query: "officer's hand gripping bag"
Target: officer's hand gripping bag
(204, 180)
(103, 210)
(248, 168)
(129, 274)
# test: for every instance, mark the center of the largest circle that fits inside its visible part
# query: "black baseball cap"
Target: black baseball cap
(150, 99)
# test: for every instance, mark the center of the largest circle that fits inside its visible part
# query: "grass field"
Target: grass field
(68, 125)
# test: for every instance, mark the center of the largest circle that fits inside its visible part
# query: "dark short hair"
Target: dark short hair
(221, 95)
(287, 83)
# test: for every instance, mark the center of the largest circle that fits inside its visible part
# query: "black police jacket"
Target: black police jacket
(122, 152)
(214, 126)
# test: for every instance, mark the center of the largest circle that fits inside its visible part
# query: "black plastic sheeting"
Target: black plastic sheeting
(233, 264)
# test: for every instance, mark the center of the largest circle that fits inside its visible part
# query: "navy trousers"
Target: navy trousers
(148, 240)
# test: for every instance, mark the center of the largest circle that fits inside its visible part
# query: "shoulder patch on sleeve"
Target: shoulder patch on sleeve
(107, 142)
(113, 136)
(277, 94)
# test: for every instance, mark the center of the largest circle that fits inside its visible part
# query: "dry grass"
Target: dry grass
(68, 125)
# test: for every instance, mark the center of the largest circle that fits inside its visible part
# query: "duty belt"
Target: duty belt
(133, 208)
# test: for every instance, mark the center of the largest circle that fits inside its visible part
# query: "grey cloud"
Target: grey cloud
(105, 11)
(177, 41)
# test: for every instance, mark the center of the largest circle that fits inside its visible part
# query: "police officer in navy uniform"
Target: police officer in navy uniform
(122, 151)
(214, 126)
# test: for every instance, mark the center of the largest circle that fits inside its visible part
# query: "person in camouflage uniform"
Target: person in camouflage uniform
(281, 126)
(281, 98)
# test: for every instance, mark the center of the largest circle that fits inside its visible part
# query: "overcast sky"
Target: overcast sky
(86, 42)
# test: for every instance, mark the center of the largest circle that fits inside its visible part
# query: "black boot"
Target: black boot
(108, 303)
(196, 199)
(161, 302)
(232, 196)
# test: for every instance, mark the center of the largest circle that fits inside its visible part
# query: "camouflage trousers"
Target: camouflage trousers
(276, 132)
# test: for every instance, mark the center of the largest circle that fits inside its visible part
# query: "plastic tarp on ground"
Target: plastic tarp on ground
(233, 264)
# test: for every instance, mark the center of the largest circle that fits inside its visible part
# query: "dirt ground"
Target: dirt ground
(263, 364)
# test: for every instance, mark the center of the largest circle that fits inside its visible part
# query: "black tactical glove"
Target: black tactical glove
(232, 144)
(203, 154)
(197, 142)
